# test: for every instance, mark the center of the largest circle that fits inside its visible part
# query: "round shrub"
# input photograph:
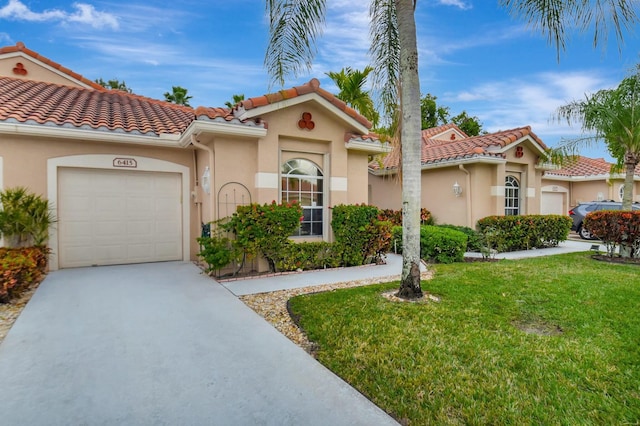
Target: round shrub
(442, 245)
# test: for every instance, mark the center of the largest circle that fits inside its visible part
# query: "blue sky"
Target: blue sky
(473, 55)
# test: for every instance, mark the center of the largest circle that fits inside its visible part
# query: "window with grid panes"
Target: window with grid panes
(302, 181)
(511, 196)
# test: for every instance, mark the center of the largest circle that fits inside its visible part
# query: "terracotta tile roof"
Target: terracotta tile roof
(33, 102)
(435, 131)
(313, 86)
(584, 166)
(223, 115)
(20, 47)
(438, 151)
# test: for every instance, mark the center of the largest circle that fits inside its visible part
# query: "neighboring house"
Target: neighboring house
(132, 179)
(467, 178)
(585, 179)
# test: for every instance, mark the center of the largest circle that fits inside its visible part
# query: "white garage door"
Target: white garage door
(109, 217)
(552, 203)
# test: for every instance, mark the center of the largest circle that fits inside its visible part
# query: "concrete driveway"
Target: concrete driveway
(161, 344)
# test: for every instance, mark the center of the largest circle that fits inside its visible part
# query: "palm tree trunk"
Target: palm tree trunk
(630, 163)
(411, 149)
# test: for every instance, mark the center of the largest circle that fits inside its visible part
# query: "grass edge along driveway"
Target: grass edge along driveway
(552, 340)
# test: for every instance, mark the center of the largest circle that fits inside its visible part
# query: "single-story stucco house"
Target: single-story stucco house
(586, 179)
(503, 173)
(132, 179)
(467, 178)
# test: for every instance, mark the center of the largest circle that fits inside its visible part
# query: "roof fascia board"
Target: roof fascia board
(164, 140)
(588, 178)
(518, 142)
(446, 163)
(222, 129)
(48, 67)
(370, 147)
(285, 103)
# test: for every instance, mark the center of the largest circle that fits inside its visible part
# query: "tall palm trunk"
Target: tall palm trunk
(631, 160)
(411, 158)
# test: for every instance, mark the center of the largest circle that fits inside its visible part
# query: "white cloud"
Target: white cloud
(457, 3)
(529, 100)
(84, 13)
(87, 14)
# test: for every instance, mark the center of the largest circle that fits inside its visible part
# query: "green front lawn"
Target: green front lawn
(467, 360)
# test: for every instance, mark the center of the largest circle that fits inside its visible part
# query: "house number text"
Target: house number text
(125, 162)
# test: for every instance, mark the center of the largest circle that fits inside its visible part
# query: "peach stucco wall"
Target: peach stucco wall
(34, 71)
(483, 187)
(24, 163)
(256, 163)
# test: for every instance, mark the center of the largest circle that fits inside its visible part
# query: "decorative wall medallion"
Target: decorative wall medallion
(519, 152)
(306, 122)
(453, 136)
(19, 69)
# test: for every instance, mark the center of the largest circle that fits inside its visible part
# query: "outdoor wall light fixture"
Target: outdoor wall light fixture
(457, 189)
(206, 180)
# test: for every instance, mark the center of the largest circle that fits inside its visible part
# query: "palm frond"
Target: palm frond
(294, 26)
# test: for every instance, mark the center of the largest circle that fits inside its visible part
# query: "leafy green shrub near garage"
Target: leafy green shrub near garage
(616, 228)
(437, 244)
(360, 236)
(25, 218)
(19, 268)
(264, 230)
(308, 255)
(524, 232)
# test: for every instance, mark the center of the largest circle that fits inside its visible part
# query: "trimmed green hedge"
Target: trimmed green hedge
(437, 244)
(308, 255)
(442, 245)
(524, 232)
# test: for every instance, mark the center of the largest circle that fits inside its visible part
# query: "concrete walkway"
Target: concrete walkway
(392, 269)
(161, 344)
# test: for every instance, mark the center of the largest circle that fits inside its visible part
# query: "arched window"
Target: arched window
(302, 181)
(511, 196)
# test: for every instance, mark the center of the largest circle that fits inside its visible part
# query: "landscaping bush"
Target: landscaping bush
(19, 268)
(437, 244)
(396, 239)
(359, 235)
(395, 217)
(218, 251)
(442, 245)
(474, 240)
(616, 228)
(308, 255)
(524, 232)
(264, 229)
(25, 218)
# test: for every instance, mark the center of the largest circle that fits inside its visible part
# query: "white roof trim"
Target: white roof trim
(285, 103)
(39, 130)
(444, 163)
(374, 147)
(218, 128)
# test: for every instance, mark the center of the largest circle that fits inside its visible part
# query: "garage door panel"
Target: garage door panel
(110, 217)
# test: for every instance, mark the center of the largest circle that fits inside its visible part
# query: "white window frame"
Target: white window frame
(315, 212)
(512, 199)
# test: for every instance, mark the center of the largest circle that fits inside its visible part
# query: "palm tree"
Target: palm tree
(236, 100)
(553, 17)
(351, 83)
(294, 28)
(613, 116)
(178, 96)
